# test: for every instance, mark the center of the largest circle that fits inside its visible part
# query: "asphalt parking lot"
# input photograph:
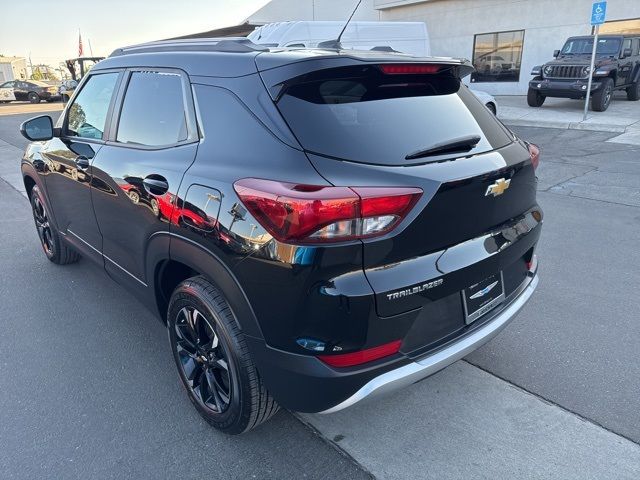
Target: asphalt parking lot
(88, 388)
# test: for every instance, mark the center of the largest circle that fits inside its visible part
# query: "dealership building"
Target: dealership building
(517, 34)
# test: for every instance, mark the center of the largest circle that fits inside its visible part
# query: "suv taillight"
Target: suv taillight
(294, 213)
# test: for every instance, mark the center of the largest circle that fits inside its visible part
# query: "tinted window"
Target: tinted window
(497, 56)
(153, 110)
(361, 114)
(7, 85)
(88, 112)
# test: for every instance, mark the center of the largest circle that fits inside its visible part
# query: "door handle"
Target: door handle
(82, 162)
(156, 184)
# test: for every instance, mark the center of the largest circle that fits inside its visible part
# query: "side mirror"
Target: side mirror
(626, 53)
(556, 53)
(38, 128)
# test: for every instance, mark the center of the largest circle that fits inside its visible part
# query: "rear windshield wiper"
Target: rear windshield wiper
(455, 145)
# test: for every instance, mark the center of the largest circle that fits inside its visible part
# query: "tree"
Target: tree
(36, 74)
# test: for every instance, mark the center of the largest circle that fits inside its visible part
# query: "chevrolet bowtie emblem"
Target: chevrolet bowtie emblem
(484, 291)
(498, 187)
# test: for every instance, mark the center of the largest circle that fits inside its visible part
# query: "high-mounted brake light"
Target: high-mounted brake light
(317, 214)
(409, 68)
(534, 151)
(361, 356)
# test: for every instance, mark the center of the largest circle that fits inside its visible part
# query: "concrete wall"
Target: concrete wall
(452, 25)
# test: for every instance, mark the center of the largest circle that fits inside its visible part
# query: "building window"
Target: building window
(620, 27)
(497, 56)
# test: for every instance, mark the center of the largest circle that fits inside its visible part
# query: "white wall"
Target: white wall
(291, 10)
(11, 69)
(452, 25)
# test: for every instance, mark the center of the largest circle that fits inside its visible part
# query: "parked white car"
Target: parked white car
(488, 100)
(494, 65)
(405, 37)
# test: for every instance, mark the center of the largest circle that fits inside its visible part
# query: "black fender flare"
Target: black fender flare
(28, 170)
(206, 262)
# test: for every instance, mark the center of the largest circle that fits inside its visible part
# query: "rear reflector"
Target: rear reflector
(409, 68)
(361, 356)
(319, 214)
(534, 152)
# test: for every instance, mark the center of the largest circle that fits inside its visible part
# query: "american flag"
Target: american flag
(80, 51)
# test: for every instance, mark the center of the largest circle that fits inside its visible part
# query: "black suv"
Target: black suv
(314, 226)
(617, 67)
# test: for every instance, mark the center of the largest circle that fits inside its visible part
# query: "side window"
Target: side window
(636, 46)
(153, 112)
(7, 85)
(88, 112)
(626, 44)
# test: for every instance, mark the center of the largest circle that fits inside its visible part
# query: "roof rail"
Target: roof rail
(223, 44)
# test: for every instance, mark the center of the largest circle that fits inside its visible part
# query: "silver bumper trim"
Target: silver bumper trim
(426, 366)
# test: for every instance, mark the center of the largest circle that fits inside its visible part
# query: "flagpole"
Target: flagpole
(90, 48)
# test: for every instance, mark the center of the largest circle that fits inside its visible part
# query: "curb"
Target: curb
(593, 127)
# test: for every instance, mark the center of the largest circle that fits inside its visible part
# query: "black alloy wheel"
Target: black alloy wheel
(601, 100)
(213, 360)
(33, 97)
(43, 226)
(55, 250)
(203, 359)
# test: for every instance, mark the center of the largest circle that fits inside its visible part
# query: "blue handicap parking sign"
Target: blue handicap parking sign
(598, 13)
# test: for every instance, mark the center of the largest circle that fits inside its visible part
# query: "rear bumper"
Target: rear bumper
(305, 384)
(564, 88)
(436, 361)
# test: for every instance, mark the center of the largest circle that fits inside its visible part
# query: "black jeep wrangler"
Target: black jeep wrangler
(617, 67)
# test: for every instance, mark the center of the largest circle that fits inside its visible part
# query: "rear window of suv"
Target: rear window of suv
(363, 115)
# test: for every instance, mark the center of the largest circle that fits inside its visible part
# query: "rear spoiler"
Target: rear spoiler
(275, 74)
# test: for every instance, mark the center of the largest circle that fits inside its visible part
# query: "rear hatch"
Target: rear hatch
(391, 123)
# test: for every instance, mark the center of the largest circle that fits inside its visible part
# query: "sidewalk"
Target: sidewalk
(466, 423)
(621, 117)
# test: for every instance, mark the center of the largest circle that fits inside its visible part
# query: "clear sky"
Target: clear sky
(48, 29)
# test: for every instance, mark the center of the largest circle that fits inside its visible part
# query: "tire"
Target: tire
(134, 196)
(54, 248)
(33, 97)
(601, 100)
(633, 92)
(535, 98)
(221, 381)
(155, 208)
